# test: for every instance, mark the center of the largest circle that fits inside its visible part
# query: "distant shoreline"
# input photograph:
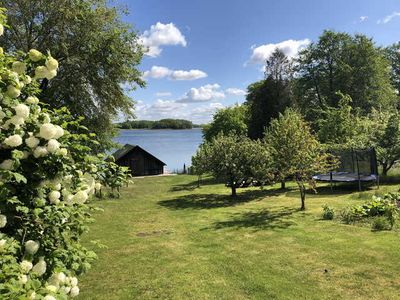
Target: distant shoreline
(154, 129)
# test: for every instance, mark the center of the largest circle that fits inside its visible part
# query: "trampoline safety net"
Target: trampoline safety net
(354, 165)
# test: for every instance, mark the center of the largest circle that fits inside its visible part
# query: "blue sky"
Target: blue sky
(203, 54)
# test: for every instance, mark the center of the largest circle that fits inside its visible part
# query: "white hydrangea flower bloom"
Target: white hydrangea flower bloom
(31, 247)
(2, 243)
(66, 289)
(17, 121)
(74, 291)
(21, 110)
(54, 197)
(40, 152)
(32, 142)
(69, 200)
(26, 266)
(51, 288)
(98, 186)
(61, 277)
(40, 267)
(49, 297)
(13, 141)
(51, 74)
(63, 151)
(48, 131)
(35, 55)
(1, 48)
(57, 186)
(32, 100)
(19, 67)
(80, 197)
(59, 133)
(41, 72)
(73, 281)
(1, 29)
(3, 221)
(7, 164)
(28, 79)
(51, 63)
(13, 92)
(23, 279)
(53, 146)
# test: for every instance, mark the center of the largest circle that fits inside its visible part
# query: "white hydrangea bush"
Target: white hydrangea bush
(46, 181)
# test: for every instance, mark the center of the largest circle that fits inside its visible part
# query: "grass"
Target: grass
(167, 239)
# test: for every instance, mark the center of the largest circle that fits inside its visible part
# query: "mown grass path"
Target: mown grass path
(167, 239)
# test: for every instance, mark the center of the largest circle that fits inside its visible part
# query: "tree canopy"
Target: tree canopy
(295, 151)
(97, 51)
(268, 97)
(341, 62)
(230, 120)
(234, 158)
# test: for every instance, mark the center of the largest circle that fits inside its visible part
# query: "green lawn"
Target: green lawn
(167, 239)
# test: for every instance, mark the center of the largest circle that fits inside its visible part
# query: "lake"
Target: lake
(174, 147)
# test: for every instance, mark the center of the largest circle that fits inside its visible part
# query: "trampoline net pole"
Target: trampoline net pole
(358, 171)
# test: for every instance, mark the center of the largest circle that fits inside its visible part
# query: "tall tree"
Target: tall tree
(393, 55)
(295, 151)
(98, 55)
(228, 121)
(278, 66)
(352, 65)
(268, 97)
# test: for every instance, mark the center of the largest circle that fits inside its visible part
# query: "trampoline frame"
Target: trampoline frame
(337, 176)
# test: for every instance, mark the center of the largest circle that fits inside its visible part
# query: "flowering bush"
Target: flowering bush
(47, 178)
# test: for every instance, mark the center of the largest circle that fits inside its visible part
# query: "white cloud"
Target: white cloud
(363, 18)
(158, 72)
(290, 48)
(188, 75)
(388, 18)
(161, 35)
(209, 92)
(163, 94)
(235, 92)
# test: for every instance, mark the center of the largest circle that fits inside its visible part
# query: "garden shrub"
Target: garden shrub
(380, 223)
(328, 213)
(379, 207)
(47, 177)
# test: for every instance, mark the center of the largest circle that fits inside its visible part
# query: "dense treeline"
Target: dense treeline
(160, 124)
(345, 86)
(340, 92)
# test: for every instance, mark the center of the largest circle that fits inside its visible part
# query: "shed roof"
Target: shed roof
(128, 148)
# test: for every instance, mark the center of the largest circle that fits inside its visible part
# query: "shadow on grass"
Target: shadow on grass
(208, 201)
(190, 186)
(323, 191)
(260, 220)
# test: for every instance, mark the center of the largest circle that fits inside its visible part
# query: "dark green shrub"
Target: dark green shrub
(381, 223)
(329, 212)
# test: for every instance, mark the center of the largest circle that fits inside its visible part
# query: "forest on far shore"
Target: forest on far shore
(160, 124)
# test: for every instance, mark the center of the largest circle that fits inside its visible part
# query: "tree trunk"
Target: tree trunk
(384, 169)
(303, 200)
(233, 188)
(283, 185)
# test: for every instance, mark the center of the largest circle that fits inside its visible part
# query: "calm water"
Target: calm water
(174, 147)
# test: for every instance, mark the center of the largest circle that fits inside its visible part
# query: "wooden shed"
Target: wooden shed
(138, 160)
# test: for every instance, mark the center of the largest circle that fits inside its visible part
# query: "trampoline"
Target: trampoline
(358, 166)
